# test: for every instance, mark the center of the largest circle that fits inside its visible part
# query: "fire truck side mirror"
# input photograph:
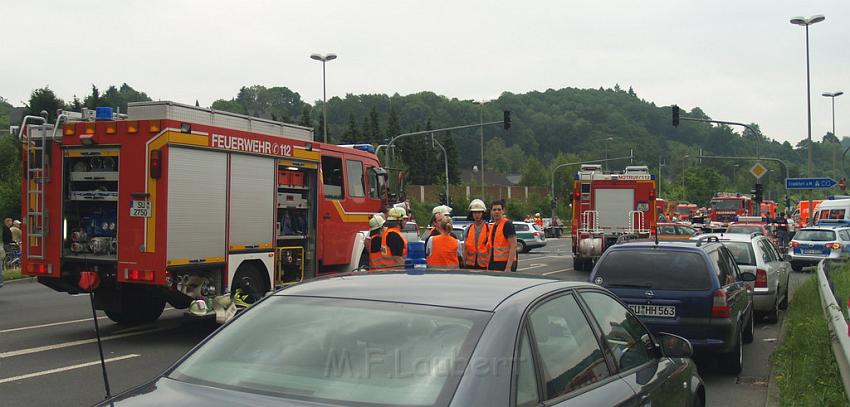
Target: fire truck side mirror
(156, 164)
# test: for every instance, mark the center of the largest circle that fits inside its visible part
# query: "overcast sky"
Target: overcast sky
(737, 60)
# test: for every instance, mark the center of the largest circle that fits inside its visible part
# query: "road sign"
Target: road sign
(758, 170)
(810, 183)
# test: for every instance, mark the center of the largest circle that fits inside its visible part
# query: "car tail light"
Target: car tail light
(833, 246)
(156, 164)
(719, 308)
(761, 278)
(138, 275)
(795, 244)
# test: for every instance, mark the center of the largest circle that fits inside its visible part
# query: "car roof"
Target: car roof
(733, 237)
(457, 289)
(824, 227)
(685, 245)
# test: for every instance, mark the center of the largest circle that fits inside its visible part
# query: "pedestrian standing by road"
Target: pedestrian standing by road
(503, 252)
(393, 243)
(7, 235)
(443, 250)
(16, 232)
(436, 217)
(476, 241)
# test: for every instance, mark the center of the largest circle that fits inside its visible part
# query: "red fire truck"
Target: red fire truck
(725, 207)
(607, 205)
(176, 203)
(685, 211)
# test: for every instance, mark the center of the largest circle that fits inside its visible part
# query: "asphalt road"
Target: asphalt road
(48, 354)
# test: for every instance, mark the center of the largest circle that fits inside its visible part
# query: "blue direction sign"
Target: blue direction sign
(810, 183)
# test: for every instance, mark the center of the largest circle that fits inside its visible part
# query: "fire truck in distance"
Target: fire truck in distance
(685, 211)
(180, 204)
(726, 207)
(608, 205)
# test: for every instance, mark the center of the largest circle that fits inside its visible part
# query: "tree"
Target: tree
(350, 136)
(306, 120)
(374, 125)
(44, 100)
(533, 173)
(830, 138)
(10, 182)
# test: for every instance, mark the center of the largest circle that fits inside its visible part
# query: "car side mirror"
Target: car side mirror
(675, 346)
(747, 276)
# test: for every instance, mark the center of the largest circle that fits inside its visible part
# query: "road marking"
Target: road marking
(537, 258)
(75, 343)
(66, 368)
(24, 328)
(532, 266)
(556, 271)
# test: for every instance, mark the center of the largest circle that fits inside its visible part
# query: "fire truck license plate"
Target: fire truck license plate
(654, 310)
(140, 209)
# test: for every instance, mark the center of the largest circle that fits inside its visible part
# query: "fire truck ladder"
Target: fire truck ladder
(637, 223)
(37, 143)
(589, 222)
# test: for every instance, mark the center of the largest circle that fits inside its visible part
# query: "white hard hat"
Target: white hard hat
(537, 214)
(396, 214)
(477, 205)
(376, 222)
(445, 210)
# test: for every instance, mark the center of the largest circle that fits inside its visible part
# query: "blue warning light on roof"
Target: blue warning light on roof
(362, 147)
(103, 113)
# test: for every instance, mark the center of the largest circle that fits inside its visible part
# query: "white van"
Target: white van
(833, 211)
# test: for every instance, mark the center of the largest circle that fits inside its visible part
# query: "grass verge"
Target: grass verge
(806, 371)
(12, 274)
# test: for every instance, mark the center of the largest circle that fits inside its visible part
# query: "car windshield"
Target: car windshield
(815, 235)
(742, 252)
(726, 204)
(339, 351)
(743, 230)
(653, 268)
(667, 230)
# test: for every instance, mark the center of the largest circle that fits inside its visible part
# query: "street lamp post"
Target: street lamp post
(684, 163)
(660, 165)
(806, 22)
(606, 151)
(323, 59)
(833, 95)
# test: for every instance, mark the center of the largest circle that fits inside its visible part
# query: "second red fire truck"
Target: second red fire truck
(608, 205)
(177, 204)
(726, 207)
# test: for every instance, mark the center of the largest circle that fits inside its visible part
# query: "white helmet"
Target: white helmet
(376, 222)
(477, 205)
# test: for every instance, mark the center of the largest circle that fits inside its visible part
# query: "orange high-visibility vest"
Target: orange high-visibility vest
(443, 252)
(387, 261)
(500, 247)
(477, 254)
(374, 256)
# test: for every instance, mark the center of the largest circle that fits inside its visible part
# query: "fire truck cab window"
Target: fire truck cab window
(585, 188)
(332, 181)
(354, 171)
(373, 183)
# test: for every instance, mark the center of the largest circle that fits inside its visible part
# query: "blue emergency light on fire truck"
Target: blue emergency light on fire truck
(609, 205)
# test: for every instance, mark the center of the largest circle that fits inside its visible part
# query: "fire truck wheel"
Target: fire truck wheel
(250, 282)
(579, 263)
(139, 305)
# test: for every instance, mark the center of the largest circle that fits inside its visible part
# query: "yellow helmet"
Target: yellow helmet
(376, 222)
(396, 214)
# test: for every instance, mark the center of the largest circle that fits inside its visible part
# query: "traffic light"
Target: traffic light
(507, 119)
(759, 192)
(675, 116)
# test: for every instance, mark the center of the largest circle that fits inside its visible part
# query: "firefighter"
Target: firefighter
(436, 217)
(376, 229)
(503, 252)
(477, 240)
(443, 249)
(393, 243)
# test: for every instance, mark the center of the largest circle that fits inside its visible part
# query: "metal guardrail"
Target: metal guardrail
(839, 334)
